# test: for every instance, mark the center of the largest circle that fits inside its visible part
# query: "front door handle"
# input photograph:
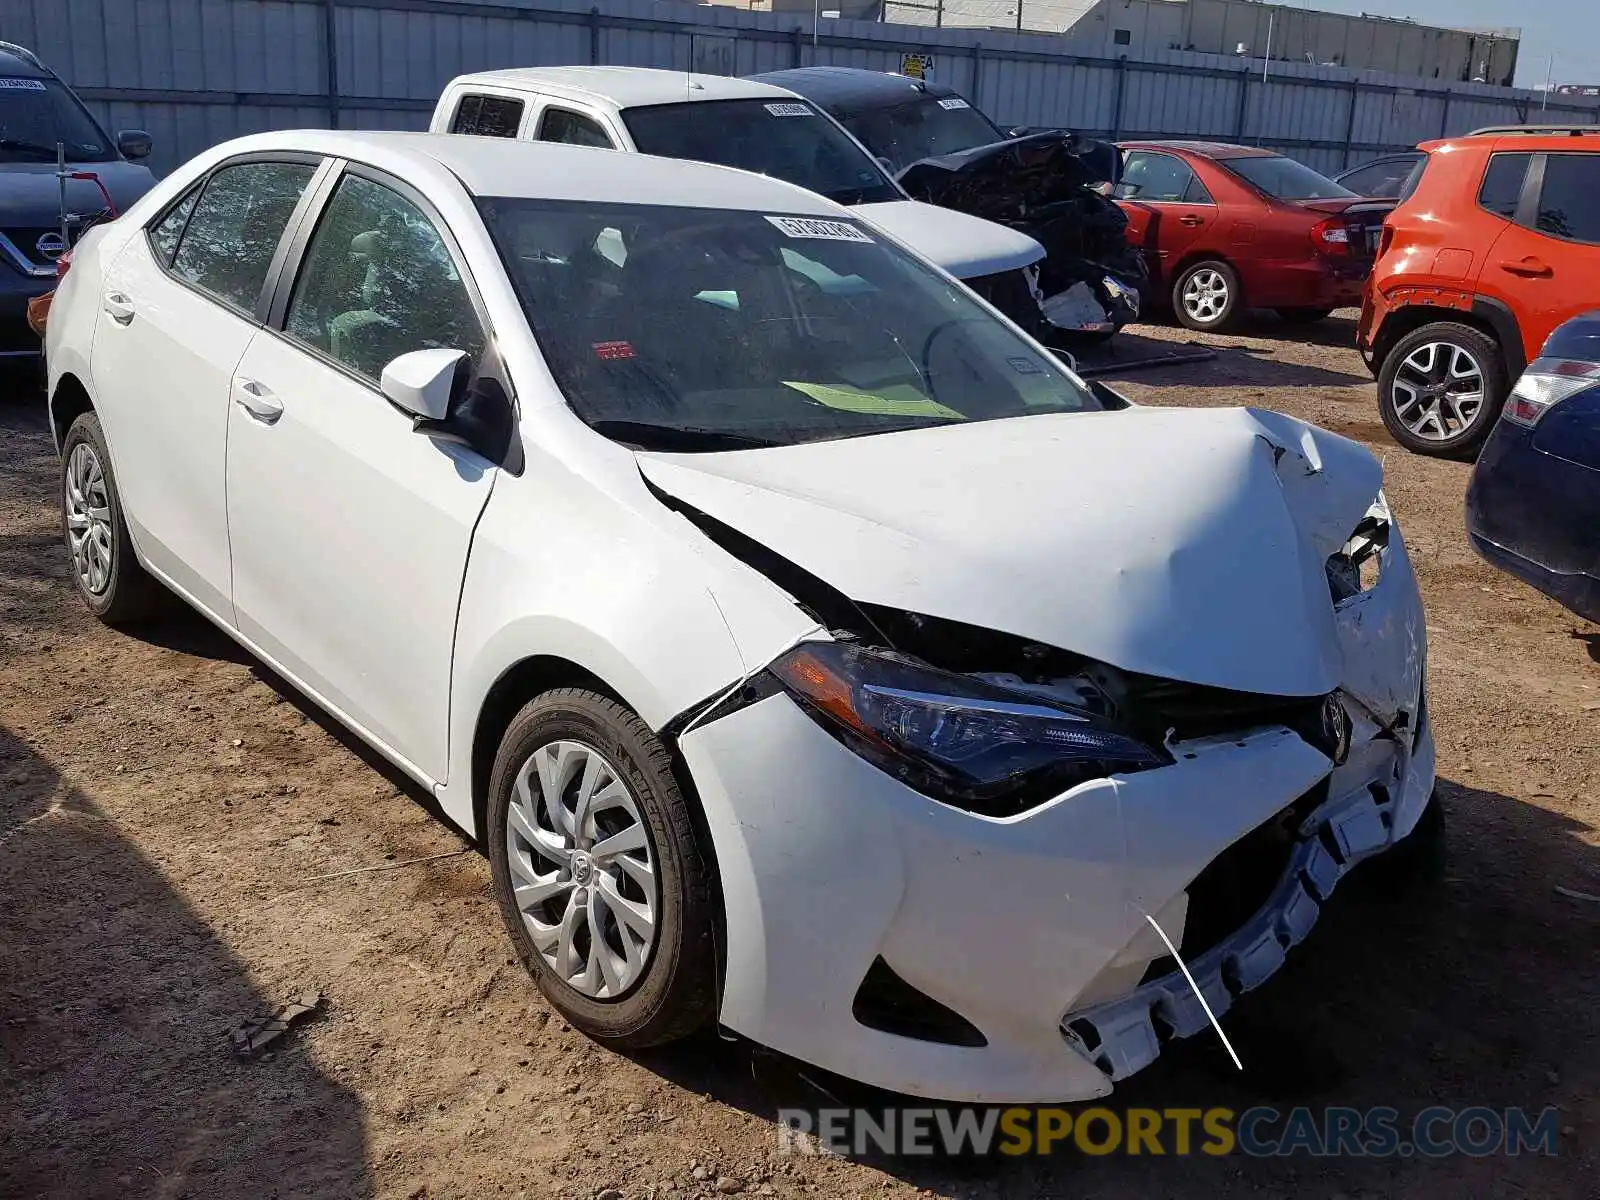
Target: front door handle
(1191, 220)
(118, 307)
(1529, 268)
(257, 400)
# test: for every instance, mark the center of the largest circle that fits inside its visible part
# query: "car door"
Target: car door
(1545, 262)
(1169, 209)
(180, 306)
(350, 531)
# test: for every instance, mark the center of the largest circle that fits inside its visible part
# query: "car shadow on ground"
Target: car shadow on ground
(1381, 973)
(1232, 364)
(104, 971)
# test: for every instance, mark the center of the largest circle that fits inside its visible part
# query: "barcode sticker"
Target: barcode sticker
(789, 110)
(21, 85)
(829, 231)
(953, 102)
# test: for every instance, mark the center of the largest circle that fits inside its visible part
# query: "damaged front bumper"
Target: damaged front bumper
(942, 953)
(1125, 1035)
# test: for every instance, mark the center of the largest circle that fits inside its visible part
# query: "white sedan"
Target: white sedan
(807, 649)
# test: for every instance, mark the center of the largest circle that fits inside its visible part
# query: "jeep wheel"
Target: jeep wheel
(1440, 389)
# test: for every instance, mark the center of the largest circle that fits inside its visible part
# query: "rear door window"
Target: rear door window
(1569, 200)
(1502, 184)
(488, 116)
(229, 241)
(575, 129)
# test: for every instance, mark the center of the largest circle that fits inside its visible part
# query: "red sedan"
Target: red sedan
(1225, 227)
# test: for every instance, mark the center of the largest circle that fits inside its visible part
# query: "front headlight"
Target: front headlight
(953, 737)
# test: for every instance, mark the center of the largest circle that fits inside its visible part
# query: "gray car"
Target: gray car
(42, 123)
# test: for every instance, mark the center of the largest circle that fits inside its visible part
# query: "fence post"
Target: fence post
(977, 77)
(1121, 93)
(1244, 103)
(1444, 115)
(330, 57)
(594, 37)
(1350, 123)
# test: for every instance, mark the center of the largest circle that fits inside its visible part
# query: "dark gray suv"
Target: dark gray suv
(41, 122)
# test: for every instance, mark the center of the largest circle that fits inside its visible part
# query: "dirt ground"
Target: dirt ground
(167, 806)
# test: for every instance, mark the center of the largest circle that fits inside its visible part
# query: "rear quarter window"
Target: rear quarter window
(1501, 190)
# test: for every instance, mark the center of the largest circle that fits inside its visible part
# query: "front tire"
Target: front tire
(105, 569)
(1206, 296)
(602, 878)
(1441, 388)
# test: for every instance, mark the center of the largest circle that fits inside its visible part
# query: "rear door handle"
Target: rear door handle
(1531, 268)
(118, 307)
(1191, 220)
(257, 400)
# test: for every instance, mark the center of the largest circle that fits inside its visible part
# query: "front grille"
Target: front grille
(1010, 292)
(26, 240)
(1192, 710)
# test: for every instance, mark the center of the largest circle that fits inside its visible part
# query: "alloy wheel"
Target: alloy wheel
(583, 869)
(89, 533)
(1205, 295)
(1439, 391)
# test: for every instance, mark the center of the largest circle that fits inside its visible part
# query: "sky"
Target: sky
(1569, 29)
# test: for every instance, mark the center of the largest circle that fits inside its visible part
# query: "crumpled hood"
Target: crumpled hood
(966, 246)
(1183, 543)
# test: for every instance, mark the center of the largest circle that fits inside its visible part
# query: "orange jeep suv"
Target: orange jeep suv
(1495, 242)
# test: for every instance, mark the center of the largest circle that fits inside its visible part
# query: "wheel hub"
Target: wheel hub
(582, 869)
(1438, 391)
(88, 508)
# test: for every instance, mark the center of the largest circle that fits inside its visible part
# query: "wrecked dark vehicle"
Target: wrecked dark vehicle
(1043, 183)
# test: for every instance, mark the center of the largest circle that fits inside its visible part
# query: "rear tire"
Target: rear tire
(621, 942)
(1206, 296)
(1441, 388)
(105, 569)
(1303, 316)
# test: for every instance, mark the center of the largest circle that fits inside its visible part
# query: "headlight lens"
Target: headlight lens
(953, 737)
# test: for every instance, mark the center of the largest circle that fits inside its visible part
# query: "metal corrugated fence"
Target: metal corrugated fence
(196, 72)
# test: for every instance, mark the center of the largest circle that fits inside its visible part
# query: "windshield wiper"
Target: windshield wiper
(677, 437)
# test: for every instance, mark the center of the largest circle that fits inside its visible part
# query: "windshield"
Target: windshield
(786, 139)
(703, 329)
(924, 128)
(35, 114)
(1286, 179)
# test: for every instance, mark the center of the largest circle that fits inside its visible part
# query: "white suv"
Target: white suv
(753, 126)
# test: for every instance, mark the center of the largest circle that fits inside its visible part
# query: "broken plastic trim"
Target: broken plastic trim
(1356, 566)
(1125, 1035)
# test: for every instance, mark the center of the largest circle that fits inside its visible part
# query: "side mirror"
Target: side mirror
(426, 383)
(1017, 131)
(133, 144)
(887, 166)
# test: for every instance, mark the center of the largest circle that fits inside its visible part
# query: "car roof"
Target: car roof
(18, 62)
(500, 167)
(1204, 149)
(628, 87)
(852, 87)
(1525, 137)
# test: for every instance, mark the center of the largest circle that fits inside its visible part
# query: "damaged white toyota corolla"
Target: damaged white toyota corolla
(808, 650)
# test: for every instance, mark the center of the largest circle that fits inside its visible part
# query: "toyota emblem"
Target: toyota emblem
(51, 245)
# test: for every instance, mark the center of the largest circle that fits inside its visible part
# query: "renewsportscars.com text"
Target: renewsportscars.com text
(1259, 1132)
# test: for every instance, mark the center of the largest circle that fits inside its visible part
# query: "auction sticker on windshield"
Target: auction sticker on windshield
(810, 227)
(788, 110)
(953, 102)
(21, 85)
